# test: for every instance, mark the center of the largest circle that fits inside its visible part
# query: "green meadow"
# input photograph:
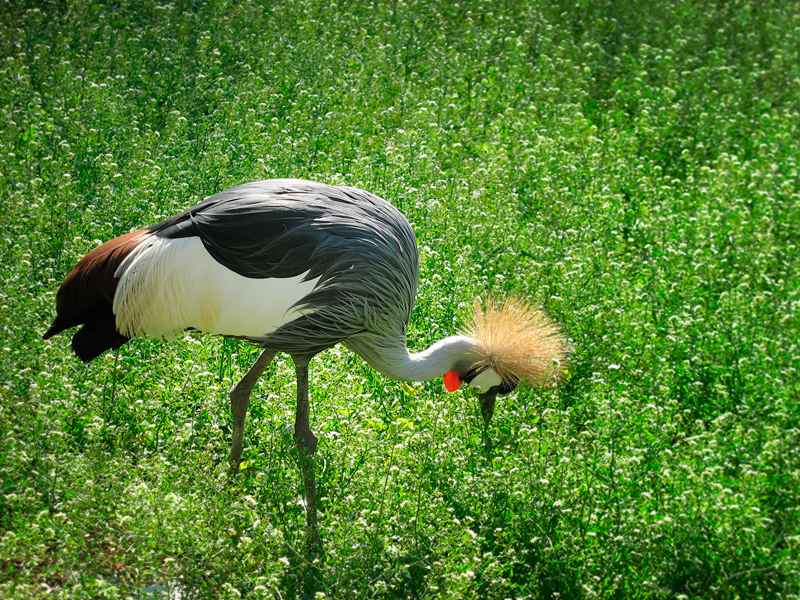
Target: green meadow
(633, 168)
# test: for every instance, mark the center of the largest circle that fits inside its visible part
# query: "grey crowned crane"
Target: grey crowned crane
(296, 267)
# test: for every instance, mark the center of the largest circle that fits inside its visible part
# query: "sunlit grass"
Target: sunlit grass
(636, 172)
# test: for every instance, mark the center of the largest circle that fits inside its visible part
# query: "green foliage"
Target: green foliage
(636, 171)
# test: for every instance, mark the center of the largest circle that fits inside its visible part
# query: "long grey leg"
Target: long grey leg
(240, 400)
(306, 447)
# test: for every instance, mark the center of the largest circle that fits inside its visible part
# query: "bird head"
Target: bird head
(514, 342)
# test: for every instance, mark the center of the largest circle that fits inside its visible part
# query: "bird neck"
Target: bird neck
(395, 361)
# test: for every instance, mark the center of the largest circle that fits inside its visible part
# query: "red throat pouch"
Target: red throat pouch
(452, 381)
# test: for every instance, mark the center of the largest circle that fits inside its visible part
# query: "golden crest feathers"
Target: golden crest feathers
(518, 340)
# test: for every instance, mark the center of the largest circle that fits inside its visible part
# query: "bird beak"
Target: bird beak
(487, 405)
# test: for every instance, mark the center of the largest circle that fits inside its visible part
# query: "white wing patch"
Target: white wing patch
(169, 285)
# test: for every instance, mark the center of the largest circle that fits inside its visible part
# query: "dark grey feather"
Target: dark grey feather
(360, 246)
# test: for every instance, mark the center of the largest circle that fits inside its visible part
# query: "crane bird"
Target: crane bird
(297, 267)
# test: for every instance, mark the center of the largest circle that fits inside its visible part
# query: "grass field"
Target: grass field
(635, 171)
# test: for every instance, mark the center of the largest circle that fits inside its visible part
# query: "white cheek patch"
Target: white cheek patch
(485, 380)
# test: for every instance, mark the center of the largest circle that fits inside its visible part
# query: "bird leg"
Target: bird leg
(240, 400)
(306, 447)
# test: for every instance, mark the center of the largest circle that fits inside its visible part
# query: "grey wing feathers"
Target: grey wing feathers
(361, 247)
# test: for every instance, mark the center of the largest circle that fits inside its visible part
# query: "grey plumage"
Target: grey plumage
(362, 247)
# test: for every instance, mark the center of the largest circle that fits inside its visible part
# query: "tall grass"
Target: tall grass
(634, 171)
